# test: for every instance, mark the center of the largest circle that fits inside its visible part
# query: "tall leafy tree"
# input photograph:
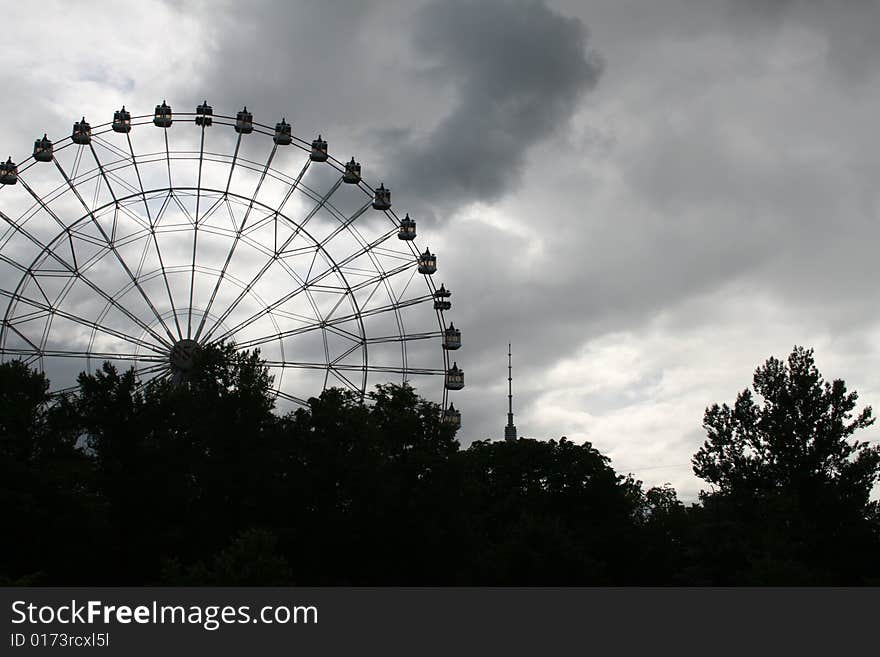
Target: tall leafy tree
(791, 487)
(799, 436)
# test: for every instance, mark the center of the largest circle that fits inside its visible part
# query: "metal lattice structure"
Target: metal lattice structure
(143, 239)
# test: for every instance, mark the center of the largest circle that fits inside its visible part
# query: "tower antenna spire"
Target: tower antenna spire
(510, 429)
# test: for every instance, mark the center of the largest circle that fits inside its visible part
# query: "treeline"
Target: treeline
(202, 483)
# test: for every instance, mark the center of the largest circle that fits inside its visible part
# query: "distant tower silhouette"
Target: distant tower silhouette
(510, 429)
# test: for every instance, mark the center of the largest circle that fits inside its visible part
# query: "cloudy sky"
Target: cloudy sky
(647, 198)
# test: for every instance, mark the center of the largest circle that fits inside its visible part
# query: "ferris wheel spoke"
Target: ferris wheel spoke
(342, 297)
(390, 369)
(175, 195)
(269, 263)
(338, 374)
(64, 392)
(153, 369)
(149, 227)
(300, 330)
(326, 354)
(26, 317)
(110, 244)
(67, 230)
(168, 158)
(278, 211)
(345, 223)
(300, 227)
(348, 352)
(293, 398)
(118, 206)
(76, 272)
(10, 350)
(124, 184)
(192, 279)
(331, 366)
(364, 250)
(352, 317)
(296, 365)
(264, 220)
(50, 310)
(381, 280)
(411, 278)
(36, 280)
(110, 146)
(255, 317)
(97, 355)
(407, 337)
(237, 237)
(166, 282)
(274, 215)
(122, 209)
(390, 307)
(219, 202)
(408, 371)
(244, 292)
(155, 240)
(395, 299)
(137, 172)
(38, 201)
(334, 268)
(383, 276)
(152, 228)
(77, 160)
(234, 160)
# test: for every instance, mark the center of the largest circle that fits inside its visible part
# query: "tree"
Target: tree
(792, 491)
(664, 523)
(547, 512)
(23, 394)
(798, 437)
(45, 490)
(366, 479)
(179, 467)
(251, 559)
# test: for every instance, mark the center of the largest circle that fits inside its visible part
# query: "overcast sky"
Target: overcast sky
(647, 198)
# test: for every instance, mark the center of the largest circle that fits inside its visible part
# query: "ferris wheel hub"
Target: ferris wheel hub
(182, 354)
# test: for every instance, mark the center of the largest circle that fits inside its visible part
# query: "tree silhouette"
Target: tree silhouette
(798, 437)
(549, 512)
(251, 559)
(45, 483)
(201, 482)
(664, 524)
(792, 498)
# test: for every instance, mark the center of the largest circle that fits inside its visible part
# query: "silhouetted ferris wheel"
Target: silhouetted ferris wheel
(138, 243)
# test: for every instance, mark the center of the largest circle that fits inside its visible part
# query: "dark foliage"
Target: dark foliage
(791, 499)
(201, 482)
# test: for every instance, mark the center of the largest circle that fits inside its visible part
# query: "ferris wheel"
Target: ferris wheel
(144, 239)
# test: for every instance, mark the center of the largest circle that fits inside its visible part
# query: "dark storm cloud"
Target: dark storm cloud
(443, 101)
(319, 64)
(516, 71)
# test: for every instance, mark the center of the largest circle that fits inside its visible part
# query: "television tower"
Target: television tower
(510, 429)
